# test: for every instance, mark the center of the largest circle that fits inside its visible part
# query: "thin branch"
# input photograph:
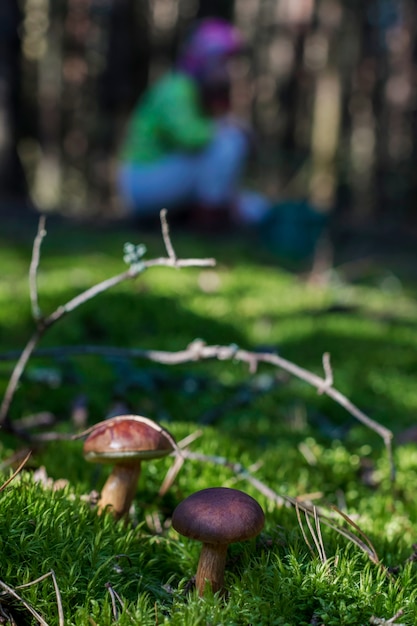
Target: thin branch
(44, 323)
(198, 351)
(58, 600)
(57, 593)
(19, 469)
(183, 443)
(113, 597)
(171, 475)
(179, 460)
(395, 617)
(17, 374)
(166, 236)
(380, 621)
(129, 274)
(33, 269)
(240, 471)
(288, 501)
(32, 611)
(328, 372)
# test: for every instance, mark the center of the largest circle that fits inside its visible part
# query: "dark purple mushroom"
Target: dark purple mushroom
(217, 517)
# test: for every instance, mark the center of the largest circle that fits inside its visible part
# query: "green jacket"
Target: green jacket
(168, 119)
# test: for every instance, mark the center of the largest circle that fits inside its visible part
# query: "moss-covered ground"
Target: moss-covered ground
(295, 441)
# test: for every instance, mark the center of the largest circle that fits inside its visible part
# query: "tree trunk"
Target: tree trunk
(12, 178)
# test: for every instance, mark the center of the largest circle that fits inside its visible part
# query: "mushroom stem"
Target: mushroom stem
(120, 488)
(211, 567)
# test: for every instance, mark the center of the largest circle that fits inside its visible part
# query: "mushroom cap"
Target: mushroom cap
(127, 438)
(219, 515)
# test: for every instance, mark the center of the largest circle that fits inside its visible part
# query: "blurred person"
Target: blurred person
(183, 147)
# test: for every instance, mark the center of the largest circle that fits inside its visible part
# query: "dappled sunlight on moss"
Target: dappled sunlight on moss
(295, 441)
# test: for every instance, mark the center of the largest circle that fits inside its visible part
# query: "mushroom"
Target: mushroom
(125, 441)
(217, 516)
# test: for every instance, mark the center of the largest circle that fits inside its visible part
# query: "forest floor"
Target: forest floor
(265, 425)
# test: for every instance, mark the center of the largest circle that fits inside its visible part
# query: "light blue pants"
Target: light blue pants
(210, 178)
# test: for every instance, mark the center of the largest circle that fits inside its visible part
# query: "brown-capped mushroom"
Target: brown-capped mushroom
(125, 441)
(217, 516)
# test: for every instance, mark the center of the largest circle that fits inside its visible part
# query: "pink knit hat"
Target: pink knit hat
(211, 40)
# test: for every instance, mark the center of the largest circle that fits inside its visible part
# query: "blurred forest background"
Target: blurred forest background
(332, 97)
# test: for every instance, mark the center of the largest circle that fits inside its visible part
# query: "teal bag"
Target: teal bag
(292, 228)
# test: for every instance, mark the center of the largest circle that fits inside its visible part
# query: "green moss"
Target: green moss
(292, 439)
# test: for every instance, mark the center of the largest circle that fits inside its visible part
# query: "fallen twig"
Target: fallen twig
(195, 351)
(33, 269)
(57, 593)
(318, 514)
(178, 462)
(199, 351)
(114, 596)
(19, 469)
(11, 592)
(379, 621)
(45, 322)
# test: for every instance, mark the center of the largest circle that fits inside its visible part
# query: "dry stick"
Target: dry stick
(43, 323)
(33, 269)
(21, 466)
(328, 381)
(279, 500)
(166, 236)
(58, 600)
(31, 610)
(239, 470)
(322, 385)
(113, 601)
(17, 374)
(172, 472)
(395, 617)
(131, 273)
(198, 350)
(377, 621)
(115, 596)
(57, 593)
